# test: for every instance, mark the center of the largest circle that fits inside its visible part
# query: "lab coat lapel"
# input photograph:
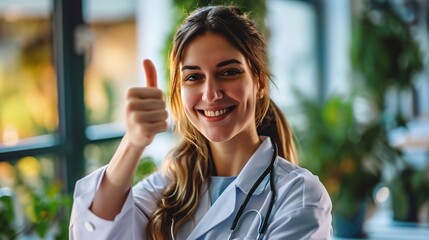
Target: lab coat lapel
(257, 164)
(226, 204)
(221, 210)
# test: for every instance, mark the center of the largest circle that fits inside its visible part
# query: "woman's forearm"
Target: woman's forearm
(117, 180)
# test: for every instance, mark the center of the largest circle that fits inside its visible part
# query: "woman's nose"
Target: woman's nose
(212, 90)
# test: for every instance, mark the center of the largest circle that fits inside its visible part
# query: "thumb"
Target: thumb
(150, 73)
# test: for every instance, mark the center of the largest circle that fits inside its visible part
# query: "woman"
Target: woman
(234, 145)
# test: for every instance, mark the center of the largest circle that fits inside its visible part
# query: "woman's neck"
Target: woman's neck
(231, 156)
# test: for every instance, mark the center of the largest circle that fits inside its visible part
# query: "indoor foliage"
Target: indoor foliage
(385, 56)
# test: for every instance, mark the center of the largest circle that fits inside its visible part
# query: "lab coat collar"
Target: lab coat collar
(254, 168)
(225, 205)
(222, 208)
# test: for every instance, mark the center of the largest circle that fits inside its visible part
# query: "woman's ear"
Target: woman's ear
(261, 86)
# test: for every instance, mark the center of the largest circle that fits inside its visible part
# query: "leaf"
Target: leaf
(146, 166)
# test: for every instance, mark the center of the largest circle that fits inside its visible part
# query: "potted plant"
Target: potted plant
(385, 57)
(345, 154)
(409, 189)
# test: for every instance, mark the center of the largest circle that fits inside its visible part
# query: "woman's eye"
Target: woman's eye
(193, 77)
(231, 72)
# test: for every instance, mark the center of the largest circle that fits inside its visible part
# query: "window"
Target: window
(296, 53)
(36, 55)
(121, 35)
(28, 90)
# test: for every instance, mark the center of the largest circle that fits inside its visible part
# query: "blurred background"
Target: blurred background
(351, 76)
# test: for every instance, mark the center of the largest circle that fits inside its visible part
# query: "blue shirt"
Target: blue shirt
(218, 185)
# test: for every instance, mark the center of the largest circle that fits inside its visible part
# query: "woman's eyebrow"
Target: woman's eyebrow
(190, 67)
(227, 62)
(221, 64)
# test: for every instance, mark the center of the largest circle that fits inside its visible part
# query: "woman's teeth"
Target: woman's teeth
(215, 113)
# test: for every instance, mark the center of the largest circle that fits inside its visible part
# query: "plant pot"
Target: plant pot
(405, 207)
(351, 227)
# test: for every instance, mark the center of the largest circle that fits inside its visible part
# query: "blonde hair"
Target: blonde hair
(189, 163)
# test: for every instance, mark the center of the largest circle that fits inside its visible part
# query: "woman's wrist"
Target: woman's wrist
(121, 168)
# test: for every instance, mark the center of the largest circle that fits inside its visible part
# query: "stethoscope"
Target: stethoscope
(263, 222)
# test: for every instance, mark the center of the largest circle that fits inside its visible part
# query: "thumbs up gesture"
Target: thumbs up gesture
(146, 112)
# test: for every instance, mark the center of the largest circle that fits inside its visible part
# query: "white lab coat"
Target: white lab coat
(302, 208)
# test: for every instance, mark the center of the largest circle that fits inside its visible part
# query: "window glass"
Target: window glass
(292, 51)
(112, 59)
(28, 90)
(123, 33)
(99, 154)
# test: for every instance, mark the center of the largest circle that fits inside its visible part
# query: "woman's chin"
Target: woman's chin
(217, 137)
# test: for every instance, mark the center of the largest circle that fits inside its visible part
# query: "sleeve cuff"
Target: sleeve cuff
(84, 224)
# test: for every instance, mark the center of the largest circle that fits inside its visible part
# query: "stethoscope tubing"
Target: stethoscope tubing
(263, 220)
(269, 170)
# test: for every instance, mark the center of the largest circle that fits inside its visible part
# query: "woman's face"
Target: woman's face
(218, 90)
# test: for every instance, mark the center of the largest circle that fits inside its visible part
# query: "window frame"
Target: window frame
(69, 141)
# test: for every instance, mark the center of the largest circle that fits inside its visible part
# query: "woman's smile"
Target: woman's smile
(216, 114)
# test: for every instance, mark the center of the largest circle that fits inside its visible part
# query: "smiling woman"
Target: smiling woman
(231, 134)
(223, 83)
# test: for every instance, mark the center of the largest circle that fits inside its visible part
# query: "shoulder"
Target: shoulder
(299, 187)
(148, 192)
(302, 206)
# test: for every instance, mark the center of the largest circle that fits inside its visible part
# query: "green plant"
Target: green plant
(51, 208)
(146, 166)
(7, 231)
(409, 189)
(383, 52)
(46, 208)
(32, 202)
(345, 154)
(256, 8)
(385, 56)
(48, 211)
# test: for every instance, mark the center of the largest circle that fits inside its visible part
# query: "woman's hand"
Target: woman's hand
(146, 112)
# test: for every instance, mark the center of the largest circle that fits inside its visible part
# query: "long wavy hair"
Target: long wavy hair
(189, 164)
